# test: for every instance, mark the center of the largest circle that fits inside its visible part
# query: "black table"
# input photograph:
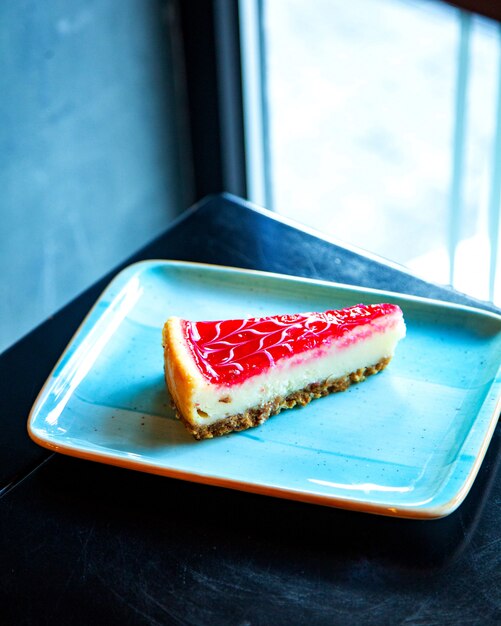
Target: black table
(83, 543)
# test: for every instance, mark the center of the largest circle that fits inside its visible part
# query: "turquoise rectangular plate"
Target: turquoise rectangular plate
(407, 442)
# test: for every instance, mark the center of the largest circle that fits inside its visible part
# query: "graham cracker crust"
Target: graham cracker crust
(258, 415)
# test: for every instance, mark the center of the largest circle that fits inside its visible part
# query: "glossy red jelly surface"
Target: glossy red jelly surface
(233, 350)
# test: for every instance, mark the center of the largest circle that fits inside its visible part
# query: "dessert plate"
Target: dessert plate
(407, 442)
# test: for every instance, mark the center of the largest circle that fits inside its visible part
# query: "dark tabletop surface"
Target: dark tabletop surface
(84, 543)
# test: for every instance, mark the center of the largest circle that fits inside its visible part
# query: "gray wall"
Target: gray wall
(90, 162)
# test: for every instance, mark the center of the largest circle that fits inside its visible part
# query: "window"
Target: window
(380, 121)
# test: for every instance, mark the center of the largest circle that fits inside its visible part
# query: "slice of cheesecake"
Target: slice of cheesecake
(230, 375)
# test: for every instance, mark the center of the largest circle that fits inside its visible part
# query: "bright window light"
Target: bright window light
(382, 128)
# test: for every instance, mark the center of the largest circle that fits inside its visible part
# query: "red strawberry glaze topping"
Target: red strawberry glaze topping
(230, 350)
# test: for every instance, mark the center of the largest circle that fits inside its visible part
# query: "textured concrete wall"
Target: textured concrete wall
(90, 167)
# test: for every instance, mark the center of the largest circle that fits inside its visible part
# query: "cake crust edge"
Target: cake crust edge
(179, 380)
(257, 415)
